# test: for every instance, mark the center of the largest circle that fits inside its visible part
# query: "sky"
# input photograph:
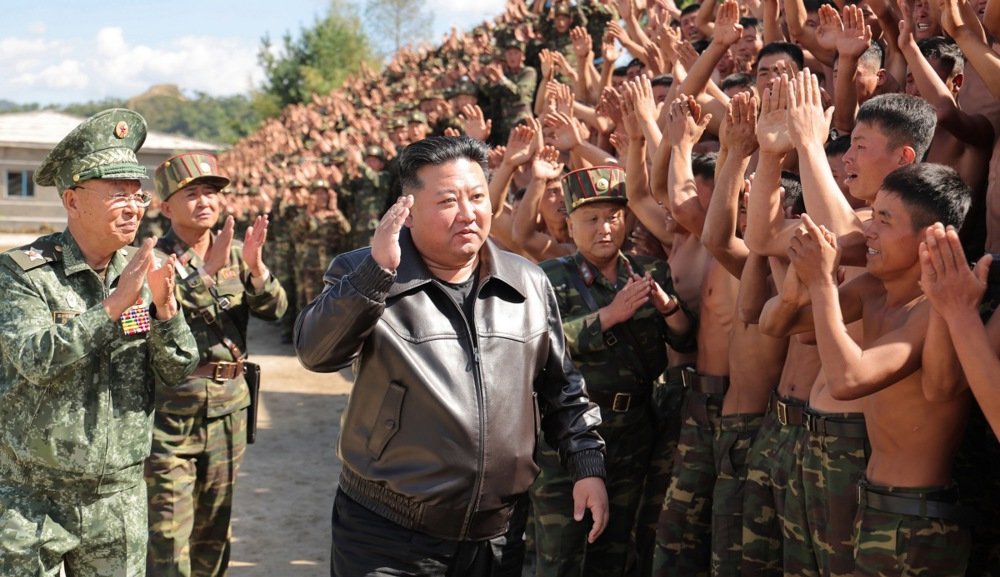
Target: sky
(72, 51)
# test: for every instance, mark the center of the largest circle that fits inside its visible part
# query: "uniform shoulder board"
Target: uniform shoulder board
(128, 251)
(40, 252)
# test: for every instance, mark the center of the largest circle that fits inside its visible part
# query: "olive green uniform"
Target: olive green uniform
(200, 433)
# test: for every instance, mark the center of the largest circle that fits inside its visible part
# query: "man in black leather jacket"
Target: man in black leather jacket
(460, 360)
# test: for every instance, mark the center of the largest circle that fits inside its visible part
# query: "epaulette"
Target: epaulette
(40, 252)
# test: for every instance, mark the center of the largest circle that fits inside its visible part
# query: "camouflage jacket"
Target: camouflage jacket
(363, 201)
(629, 356)
(228, 299)
(319, 239)
(76, 392)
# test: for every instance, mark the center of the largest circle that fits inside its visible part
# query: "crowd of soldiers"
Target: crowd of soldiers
(684, 118)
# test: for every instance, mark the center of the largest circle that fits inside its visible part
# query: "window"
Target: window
(20, 183)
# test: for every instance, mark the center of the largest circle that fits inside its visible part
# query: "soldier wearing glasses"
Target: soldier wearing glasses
(87, 324)
(200, 433)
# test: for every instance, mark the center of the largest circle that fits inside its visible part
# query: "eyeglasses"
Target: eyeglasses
(121, 199)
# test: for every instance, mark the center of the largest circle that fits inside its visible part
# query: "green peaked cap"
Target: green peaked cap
(594, 184)
(103, 146)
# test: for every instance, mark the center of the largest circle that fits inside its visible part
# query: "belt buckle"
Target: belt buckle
(810, 422)
(621, 399)
(225, 304)
(782, 409)
(220, 370)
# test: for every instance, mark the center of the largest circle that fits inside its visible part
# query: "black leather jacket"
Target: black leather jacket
(440, 429)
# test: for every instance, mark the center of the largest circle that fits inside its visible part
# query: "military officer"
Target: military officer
(199, 433)
(619, 312)
(88, 323)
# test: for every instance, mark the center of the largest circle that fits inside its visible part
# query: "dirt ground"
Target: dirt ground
(284, 493)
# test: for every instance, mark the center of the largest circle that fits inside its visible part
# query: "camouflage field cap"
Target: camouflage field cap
(416, 117)
(186, 169)
(464, 87)
(319, 183)
(103, 146)
(561, 9)
(594, 184)
(512, 43)
(375, 151)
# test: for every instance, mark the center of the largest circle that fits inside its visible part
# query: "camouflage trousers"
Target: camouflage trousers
(561, 542)
(667, 399)
(190, 477)
(287, 322)
(832, 466)
(896, 544)
(977, 472)
(309, 285)
(733, 438)
(683, 532)
(775, 537)
(90, 535)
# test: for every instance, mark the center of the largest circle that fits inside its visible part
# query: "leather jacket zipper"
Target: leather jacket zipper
(481, 458)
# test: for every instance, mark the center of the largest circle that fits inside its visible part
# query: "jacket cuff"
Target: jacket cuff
(372, 281)
(587, 463)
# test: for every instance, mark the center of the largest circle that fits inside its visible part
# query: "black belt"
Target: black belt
(835, 426)
(913, 504)
(706, 384)
(618, 402)
(789, 410)
(219, 371)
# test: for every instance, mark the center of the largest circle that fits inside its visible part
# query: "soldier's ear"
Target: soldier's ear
(70, 200)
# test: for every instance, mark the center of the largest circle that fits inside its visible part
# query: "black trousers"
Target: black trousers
(365, 544)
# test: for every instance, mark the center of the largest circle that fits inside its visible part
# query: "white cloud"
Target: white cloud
(65, 75)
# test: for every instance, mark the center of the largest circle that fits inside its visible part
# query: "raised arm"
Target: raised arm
(852, 372)
(739, 137)
(767, 231)
(808, 127)
(536, 244)
(685, 125)
(972, 130)
(959, 21)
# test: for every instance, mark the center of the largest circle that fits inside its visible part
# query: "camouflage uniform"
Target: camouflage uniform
(76, 413)
(733, 438)
(834, 458)
(281, 253)
(891, 543)
(668, 397)
(76, 387)
(362, 203)
(317, 240)
(683, 533)
(200, 428)
(200, 432)
(619, 365)
(152, 224)
(511, 98)
(775, 536)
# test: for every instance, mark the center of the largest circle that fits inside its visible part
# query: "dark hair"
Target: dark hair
(437, 150)
(700, 45)
(947, 53)
(635, 62)
(620, 71)
(737, 80)
(813, 5)
(837, 146)
(690, 8)
(703, 165)
(793, 199)
(750, 21)
(931, 192)
(662, 80)
(903, 119)
(786, 48)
